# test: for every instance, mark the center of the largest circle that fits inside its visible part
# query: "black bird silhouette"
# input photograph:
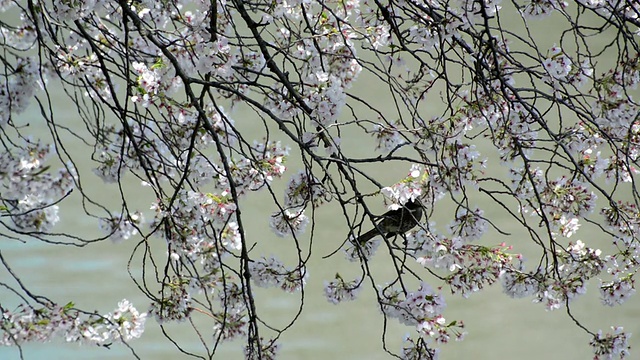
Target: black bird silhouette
(395, 222)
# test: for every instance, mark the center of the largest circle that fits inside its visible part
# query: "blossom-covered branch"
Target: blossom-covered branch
(459, 109)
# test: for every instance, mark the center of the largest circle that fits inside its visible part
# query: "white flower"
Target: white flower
(568, 226)
(128, 322)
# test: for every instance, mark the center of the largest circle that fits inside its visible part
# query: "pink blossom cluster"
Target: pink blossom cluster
(304, 188)
(53, 321)
(388, 138)
(266, 272)
(422, 309)
(174, 303)
(289, 222)
(339, 290)
(470, 267)
(231, 320)
(190, 220)
(560, 68)
(612, 345)
(30, 191)
(541, 9)
(17, 91)
(120, 227)
(558, 284)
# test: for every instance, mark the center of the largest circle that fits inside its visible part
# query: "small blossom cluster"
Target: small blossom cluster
(71, 64)
(230, 324)
(540, 9)
(561, 283)
(270, 158)
(203, 171)
(328, 63)
(617, 291)
(302, 189)
(471, 13)
(223, 127)
(471, 266)
(193, 218)
(20, 37)
(338, 290)
(614, 114)
(388, 138)
(111, 166)
(611, 346)
(459, 163)
(557, 65)
(623, 219)
(328, 100)
(426, 34)
(52, 321)
(408, 189)
(148, 84)
(560, 68)
(578, 264)
(74, 10)
(271, 272)
(461, 166)
(514, 130)
(522, 180)
(120, 227)
(482, 266)
(183, 130)
(358, 251)
(232, 321)
(30, 192)
(289, 223)
(423, 309)
(469, 225)
(267, 164)
(563, 202)
(130, 147)
(518, 284)
(175, 303)
(592, 162)
(436, 250)
(18, 89)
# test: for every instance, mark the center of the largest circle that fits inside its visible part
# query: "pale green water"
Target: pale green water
(95, 277)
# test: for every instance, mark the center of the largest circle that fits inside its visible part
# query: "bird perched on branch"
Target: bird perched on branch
(395, 222)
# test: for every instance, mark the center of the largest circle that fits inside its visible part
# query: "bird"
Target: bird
(395, 222)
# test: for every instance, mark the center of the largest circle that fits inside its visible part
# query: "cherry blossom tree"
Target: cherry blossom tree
(477, 103)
